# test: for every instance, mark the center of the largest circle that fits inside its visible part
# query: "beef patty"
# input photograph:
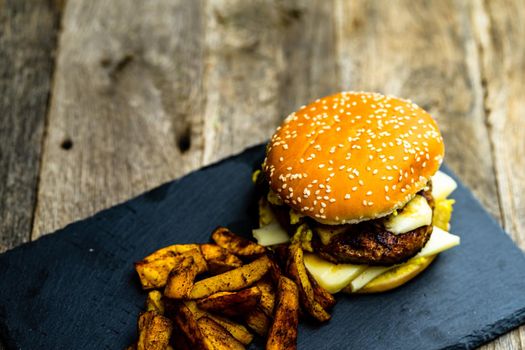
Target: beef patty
(370, 243)
(367, 242)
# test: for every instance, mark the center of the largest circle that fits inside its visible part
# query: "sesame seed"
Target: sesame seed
(347, 196)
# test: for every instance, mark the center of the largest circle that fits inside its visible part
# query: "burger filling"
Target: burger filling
(385, 241)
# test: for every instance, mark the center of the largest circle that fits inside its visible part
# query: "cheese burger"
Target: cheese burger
(354, 177)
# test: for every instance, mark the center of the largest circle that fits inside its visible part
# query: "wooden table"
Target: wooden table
(101, 100)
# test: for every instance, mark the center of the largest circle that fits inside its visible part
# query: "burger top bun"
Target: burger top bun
(353, 156)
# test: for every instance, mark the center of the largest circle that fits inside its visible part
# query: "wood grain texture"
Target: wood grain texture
(126, 104)
(426, 54)
(501, 29)
(244, 59)
(27, 43)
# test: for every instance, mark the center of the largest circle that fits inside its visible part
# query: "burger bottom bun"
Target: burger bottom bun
(395, 277)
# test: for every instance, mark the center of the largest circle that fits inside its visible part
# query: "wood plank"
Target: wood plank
(243, 41)
(126, 103)
(28, 36)
(265, 60)
(310, 66)
(424, 52)
(501, 29)
(28, 32)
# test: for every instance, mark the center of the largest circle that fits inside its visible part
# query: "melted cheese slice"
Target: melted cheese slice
(415, 214)
(442, 185)
(334, 277)
(271, 234)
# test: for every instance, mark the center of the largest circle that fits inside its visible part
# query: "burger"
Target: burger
(354, 177)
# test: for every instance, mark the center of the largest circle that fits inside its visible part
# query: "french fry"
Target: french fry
(321, 295)
(154, 274)
(153, 270)
(154, 302)
(283, 332)
(172, 249)
(216, 337)
(236, 244)
(187, 325)
(258, 321)
(180, 279)
(280, 253)
(238, 331)
(267, 301)
(232, 280)
(154, 331)
(219, 259)
(231, 303)
(297, 271)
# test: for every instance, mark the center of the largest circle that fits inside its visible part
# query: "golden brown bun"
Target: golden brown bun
(353, 156)
(395, 277)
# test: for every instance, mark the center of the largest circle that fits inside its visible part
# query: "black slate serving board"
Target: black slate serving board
(76, 288)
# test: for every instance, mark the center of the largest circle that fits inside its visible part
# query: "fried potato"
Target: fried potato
(267, 301)
(154, 331)
(321, 295)
(172, 249)
(154, 274)
(231, 303)
(153, 270)
(238, 331)
(236, 244)
(216, 337)
(180, 279)
(297, 271)
(283, 332)
(232, 280)
(154, 302)
(258, 321)
(280, 253)
(219, 259)
(187, 324)
(189, 249)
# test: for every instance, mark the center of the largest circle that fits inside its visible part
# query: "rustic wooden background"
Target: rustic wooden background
(101, 100)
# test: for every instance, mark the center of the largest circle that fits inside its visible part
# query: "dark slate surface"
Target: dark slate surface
(76, 289)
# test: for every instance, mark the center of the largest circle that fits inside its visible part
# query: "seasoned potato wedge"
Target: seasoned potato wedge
(172, 249)
(187, 325)
(236, 244)
(153, 271)
(297, 271)
(216, 337)
(154, 302)
(154, 331)
(258, 321)
(321, 295)
(283, 332)
(219, 259)
(154, 274)
(180, 279)
(267, 301)
(237, 330)
(232, 280)
(231, 303)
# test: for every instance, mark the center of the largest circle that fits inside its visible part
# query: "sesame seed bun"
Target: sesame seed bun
(353, 156)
